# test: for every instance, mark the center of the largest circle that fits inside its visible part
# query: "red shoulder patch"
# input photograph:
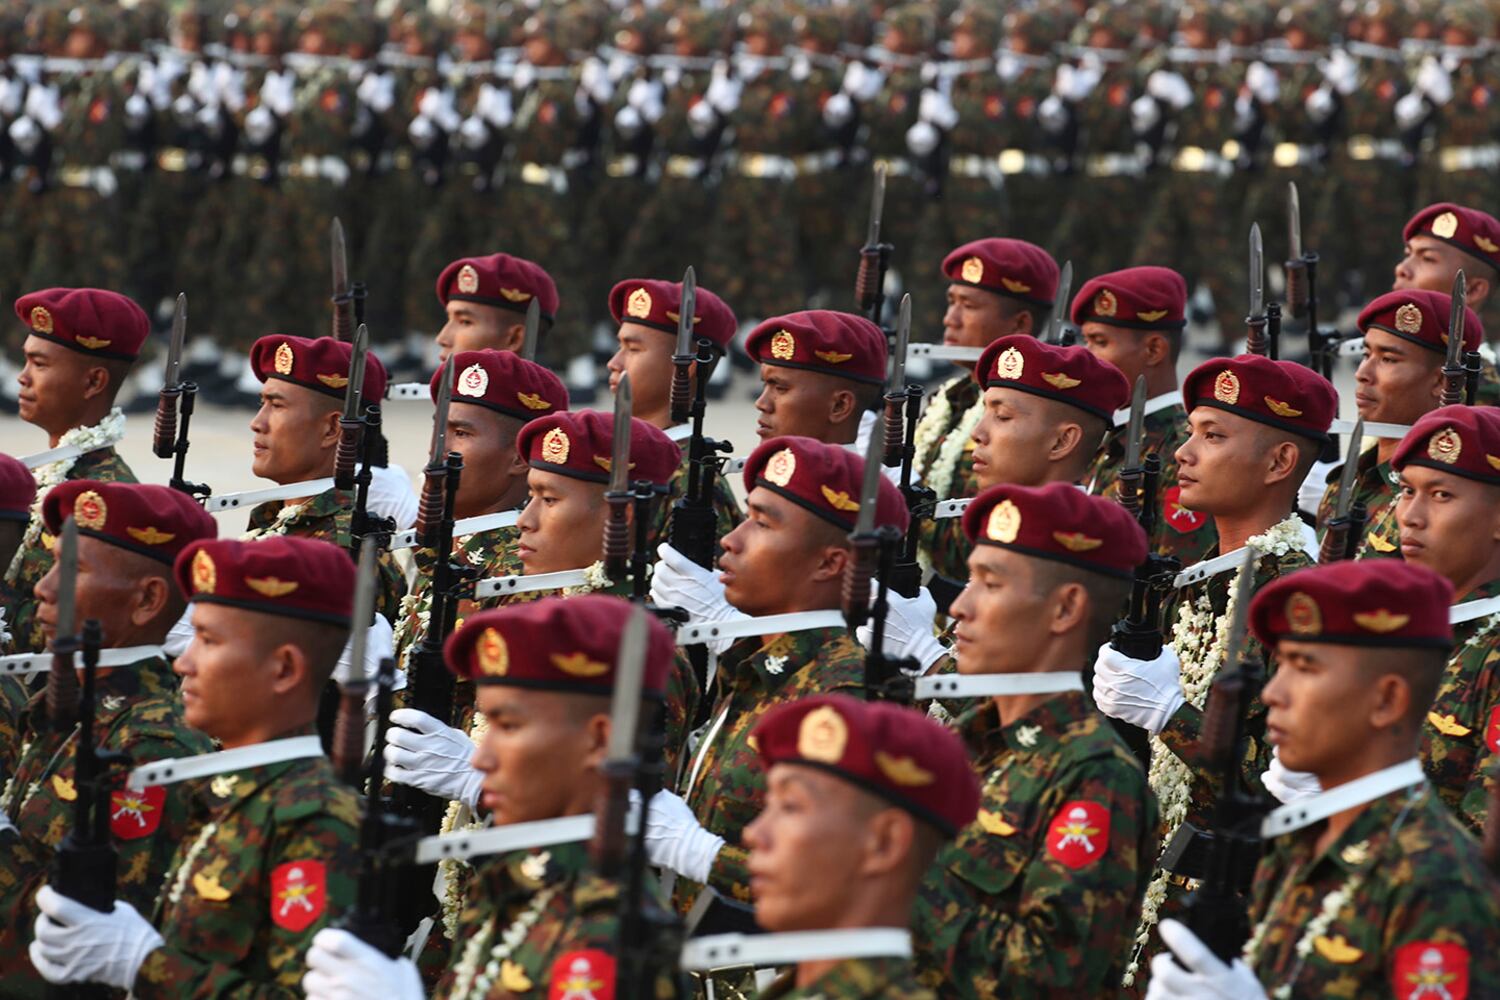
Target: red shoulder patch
(1179, 517)
(1432, 970)
(133, 815)
(299, 894)
(1079, 833)
(1492, 731)
(583, 975)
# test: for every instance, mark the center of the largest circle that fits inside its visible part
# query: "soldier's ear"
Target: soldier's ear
(1067, 440)
(152, 596)
(889, 841)
(1477, 289)
(1158, 349)
(1071, 610)
(97, 382)
(513, 337)
(841, 405)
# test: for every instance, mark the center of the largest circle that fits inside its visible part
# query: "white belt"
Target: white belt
(735, 628)
(498, 585)
(408, 392)
(1368, 147)
(1376, 430)
(465, 526)
(232, 501)
(1305, 812)
(723, 951)
(503, 839)
(1231, 560)
(1470, 610)
(1153, 405)
(977, 167)
(1115, 165)
(996, 685)
(952, 508)
(943, 352)
(1351, 347)
(205, 765)
(1469, 157)
(40, 663)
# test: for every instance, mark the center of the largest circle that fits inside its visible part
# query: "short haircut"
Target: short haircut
(1107, 594)
(321, 642)
(1040, 315)
(1422, 669)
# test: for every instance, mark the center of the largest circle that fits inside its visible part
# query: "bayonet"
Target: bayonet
(1456, 319)
(437, 454)
(1137, 425)
(364, 608)
(877, 207)
(533, 329)
(1350, 471)
(352, 422)
(67, 581)
(618, 495)
(1061, 303)
(895, 388)
(356, 387)
(62, 682)
(685, 354)
(619, 462)
(869, 491)
(1257, 273)
(174, 346)
(623, 758)
(164, 436)
(1293, 222)
(897, 381)
(342, 301)
(874, 256)
(687, 309)
(864, 540)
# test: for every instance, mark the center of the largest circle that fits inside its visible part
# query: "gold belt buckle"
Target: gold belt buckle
(1286, 154)
(1192, 158)
(1362, 147)
(535, 173)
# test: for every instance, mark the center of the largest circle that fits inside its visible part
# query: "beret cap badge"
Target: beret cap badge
(781, 467)
(823, 735)
(555, 446)
(1302, 614)
(1445, 225)
(1004, 523)
(1409, 319)
(638, 304)
(41, 319)
(283, 360)
(468, 280)
(972, 270)
(1445, 446)
(1011, 364)
(783, 346)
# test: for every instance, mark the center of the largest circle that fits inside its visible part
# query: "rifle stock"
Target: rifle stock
(905, 574)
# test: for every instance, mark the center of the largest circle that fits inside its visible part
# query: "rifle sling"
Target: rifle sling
(766, 950)
(206, 765)
(40, 663)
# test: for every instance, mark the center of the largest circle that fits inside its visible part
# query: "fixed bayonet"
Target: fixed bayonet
(1454, 376)
(179, 335)
(687, 310)
(684, 354)
(864, 522)
(67, 580)
(62, 682)
(1293, 222)
(618, 496)
(354, 386)
(1135, 428)
(352, 422)
(1257, 272)
(343, 307)
(619, 462)
(622, 758)
(897, 381)
(533, 329)
(438, 453)
(164, 438)
(877, 207)
(895, 388)
(1350, 470)
(1060, 304)
(364, 608)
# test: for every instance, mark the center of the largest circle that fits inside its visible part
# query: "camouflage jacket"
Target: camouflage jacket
(489, 553)
(547, 922)
(727, 514)
(12, 704)
(328, 516)
(137, 713)
(943, 541)
(268, 858)
(35, 557)
(1461, 740)
(776, 114)
(1178, 531)
(547, 123)
(1419, 921)
(725, 781)
(1375, 486)
(1036, 897)
(1469, 118)
(854, 979)
(894, 110)
(93, 122)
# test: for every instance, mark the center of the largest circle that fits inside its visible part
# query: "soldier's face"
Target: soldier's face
(967, 45)
(1002, 619)
(1018, 440)
(1131, 351)
(774, 559)
(1222, 466)
(541, 754)
(493, 469)
(562, 526)
(53, 382)
(1430, 264)
(1397, 381)
(646, 355)
(106, 591)
(475, 327)
(975, 317)
(1450, 524)
(295, 433)
(802, 403)
(227, 672)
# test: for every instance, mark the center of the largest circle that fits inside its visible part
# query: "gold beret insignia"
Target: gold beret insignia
(675, 317)
(1303, 616)
(1010, 364)
(334, 381)
(606, 463)
(92, 343)
(822, 735)
(1151, 315)
(468, 280)
(972, 271)
(993, 822)
(1077, 541)
(1488, 246)
(41, 319)
(492, 653)
(1445, 446)
(1018, 287)
(555, 446)
(902, 770)
(832, 357)
(532, 401)
(1494, 461)
(1105, 303)
(515, 295)
(781, 467)
(783, 346)
(1409, 318)
(271, 586)
(638, 304)
(1445, 225)
(1004, 523)
(283, 360)
(473, 381)
(90, 510)
(150, 535)
(579, 665)
(1381, 621)
(1227, 387)
(839, 500)
(205, 575)
(1281, 409)
(1059, 380)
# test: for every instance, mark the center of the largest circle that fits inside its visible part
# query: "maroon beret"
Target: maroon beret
(657, 304)
(505, 382)
(499, 280)
(1013, 268)
(154, 521)
(17, 490)
(1069, 374)
(1474, 232)
(1463, 440)
(1421, 317)
(557, 644)
(824, 479)
(1141, 298)
(1367, 603)
(91, 321)
(283, 575)
(579, 444)
(321, 364)
(1058, 522)
(891, 751)
(1282, 394)
(822, 340)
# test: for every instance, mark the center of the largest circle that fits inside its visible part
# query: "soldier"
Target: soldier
(790, 555)
(128, 536)
(1371, 889)
(1457, 84)
(859, 800)
(1257, 427)
(997, 287)
(269, 854)
(1400, 379)
(822, 374)
(1133, 319)
(541, 918)
(80, 347)
(296, 436)
(486, 299)
(1055, 867)
(17, 493)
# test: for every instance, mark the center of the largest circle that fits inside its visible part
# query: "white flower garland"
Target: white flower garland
(178, 879)
(1332, 905)
(5, 634)
(105, 433)
(281, 525)
(458, 816)
(931, 427)
(1199, 639)
(594, 578)
(468, 981)
(6, 803)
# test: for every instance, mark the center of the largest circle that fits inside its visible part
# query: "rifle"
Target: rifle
(874, 256)
(351, 422)
(903, 408)
(1302, 300)
(1454, 375)
(619, 495)
(1472, 370)
(371, 447)
(170, 437)
(1216, 910)
(1255, 323)
(1342, 535)
(865, 542)
(62, 680)
(343, 313)
(1057, 331)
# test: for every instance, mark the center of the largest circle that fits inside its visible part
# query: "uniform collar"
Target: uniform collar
(853, 977)
(769, 660)
(1038, 731)
(1363, 843)
(226, 790)
(530, 870)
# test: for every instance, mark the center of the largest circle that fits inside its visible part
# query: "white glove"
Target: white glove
(378, 92)
(922, 138)
(676, 841)
(937, 109)
(861, 82)
(1074, 83)
(43, 106)
(1320, 104)
(1289, 786)
(25, 133)
(1201, 976)
(1170, 88)
(837, 110)
(1341, 71)
(379, 645)
(1410, 109)
(276, 92)
(76, 944)
(185, 108)
(5, 823)
(422, 752)
(200, 83)
(1145, 112)
(438, 105)
(908, 629)
(10, 97)
(342, 967)
(1052, 113)
(645, 96)
(524, 76)
(679, 582)
(1143, 693)
(180, 634)
(1434, 82)
(259, 124)
(474, 133)
(137, 108)
(494, 106)
(391, 496)
(701, 119)
(1310, 493)
(1261, 81)
(628, 122)
(723, 93)
(593, 77)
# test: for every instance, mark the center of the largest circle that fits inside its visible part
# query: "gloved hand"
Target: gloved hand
(1320, 104)
(701, 119)
(260, 123)
(342, 967)
(676, 841)
(1433, 81)
(1201, 975)
(391, 496)
(494, 106)
(1145, 112)
(1052, 113)
(438, 106)
(1074, 83)
(1262, 82)
(1410, 109)
(380, 643)
(276, 92)
(837, 110)
(861, 82)
(377, 91)
(422, 752)
(1143, 693)
(180, 635)
(44, 106)
(593, 78)
(922, 138)
(1341, 71)
(474, 133)
(628, 122)
(723, 93)
(678, 582)
(76, 944)
(1286, 785)
(937, 109)
(645, 97)
(6, 824)
(523, 77)
(908, 629)
(1310, 493)
(1170, 88)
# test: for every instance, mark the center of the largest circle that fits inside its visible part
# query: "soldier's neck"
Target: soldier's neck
(1236, 529)
(1464, 590)
(1064, 656)
(1378, 755)
(1385, 450)
(1160, 380)
(875, 903)
(90, 414)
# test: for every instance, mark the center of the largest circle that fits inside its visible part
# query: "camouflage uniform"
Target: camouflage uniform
(228, 922)
(1422, 902)
(1012, 908)
(943, 542)
(1462, 735)
(1466, 125)
(727, 514)
(139, 714)
(35, 556)
(908, 186)
(12, 704)
(1179, 532)
(1375, 486)
(854, 979)
(821, 186)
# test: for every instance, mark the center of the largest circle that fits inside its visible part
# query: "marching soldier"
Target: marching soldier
(822, 374)
(1133, 319)
(1457, 83)
(1400, 379)
(129, 535)
(268, 855)
(17, 492)
(79, 348)
(860, 798)
(486, 299)
(1372, 888)
(1257, 427)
